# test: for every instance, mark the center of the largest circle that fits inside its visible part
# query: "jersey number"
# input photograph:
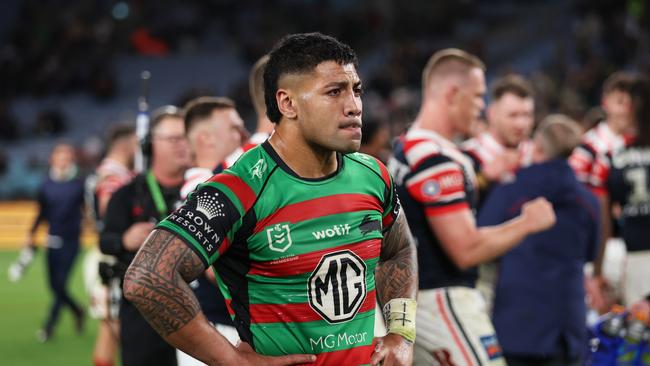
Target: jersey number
(638, 178)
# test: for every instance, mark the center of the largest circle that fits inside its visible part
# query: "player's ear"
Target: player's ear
(451, 92)
(286, 104)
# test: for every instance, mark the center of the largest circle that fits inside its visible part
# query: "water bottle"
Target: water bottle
(629, 353)
(606, 338)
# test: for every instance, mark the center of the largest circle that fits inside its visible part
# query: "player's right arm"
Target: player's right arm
(171, 257)
(468, 245)
(439, 186)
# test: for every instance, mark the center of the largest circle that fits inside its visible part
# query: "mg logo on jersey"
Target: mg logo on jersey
(279, 237)
(337, 287)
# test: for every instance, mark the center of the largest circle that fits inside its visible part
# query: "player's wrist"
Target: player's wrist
(399, 315)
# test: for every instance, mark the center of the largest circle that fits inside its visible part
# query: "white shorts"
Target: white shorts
(636, 285)
(97, 292)
(230, 333)
(453, 329)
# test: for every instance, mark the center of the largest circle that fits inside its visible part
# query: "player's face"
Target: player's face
(328, 106)
(468, 102)
(226, 128)
(618, 105)
(512, 118)
(170, 145)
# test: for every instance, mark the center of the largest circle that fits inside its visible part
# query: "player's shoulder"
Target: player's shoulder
(253, 169)
(368, 164)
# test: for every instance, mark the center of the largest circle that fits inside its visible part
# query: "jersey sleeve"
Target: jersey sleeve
(438, 184)
(390, 205)
(207, 220)
(591, 168)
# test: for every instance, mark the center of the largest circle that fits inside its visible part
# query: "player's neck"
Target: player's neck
(208, 159)
(167, 176)
(434, 118)
(305, 160)
(119, 157)
(497, 137)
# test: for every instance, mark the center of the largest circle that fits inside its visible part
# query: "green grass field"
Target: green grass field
(23, 309)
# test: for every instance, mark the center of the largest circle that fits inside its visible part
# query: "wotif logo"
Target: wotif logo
(335, 230)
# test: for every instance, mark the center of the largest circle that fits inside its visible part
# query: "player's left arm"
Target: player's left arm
(396, 280)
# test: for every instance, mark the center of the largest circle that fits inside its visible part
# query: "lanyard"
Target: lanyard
(156, 194)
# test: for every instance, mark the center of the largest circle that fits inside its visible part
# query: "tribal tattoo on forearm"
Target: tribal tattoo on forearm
(397, 272)
(156, 282)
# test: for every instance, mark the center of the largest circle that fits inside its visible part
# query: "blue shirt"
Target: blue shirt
(61, 205)
(540, 297)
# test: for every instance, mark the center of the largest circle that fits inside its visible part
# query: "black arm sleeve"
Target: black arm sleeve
(42, 206)
(117, 220)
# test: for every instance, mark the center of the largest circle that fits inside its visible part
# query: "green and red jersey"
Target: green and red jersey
(295, 257)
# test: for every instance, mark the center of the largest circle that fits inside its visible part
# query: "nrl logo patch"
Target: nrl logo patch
(279, 237)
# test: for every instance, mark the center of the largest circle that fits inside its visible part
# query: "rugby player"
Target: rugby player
(303, 233)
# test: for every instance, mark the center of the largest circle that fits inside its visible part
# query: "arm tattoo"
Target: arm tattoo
(156, 282)
(397, 272)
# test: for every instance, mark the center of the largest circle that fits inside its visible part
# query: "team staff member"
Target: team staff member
(131, 214)
(544, 274)
(60, 201)
(437, 184)
(295, 229)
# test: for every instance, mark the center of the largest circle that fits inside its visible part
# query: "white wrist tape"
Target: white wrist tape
(400, 317)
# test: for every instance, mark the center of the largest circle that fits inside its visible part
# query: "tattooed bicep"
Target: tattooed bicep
(163, 252)
(397, 238)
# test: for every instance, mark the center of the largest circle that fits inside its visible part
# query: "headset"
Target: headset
(157, 115)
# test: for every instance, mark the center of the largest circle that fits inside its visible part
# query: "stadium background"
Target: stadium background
(70, 69)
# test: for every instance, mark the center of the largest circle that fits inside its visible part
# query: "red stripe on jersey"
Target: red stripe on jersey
(441, 210)
(384, 172)
(599, 191)
(387, 221)
(229, 307)
(296, 313)
(319, 207)
(225, 244)
(238, 187)
(304, 263)
(356, 356)
(442, 185)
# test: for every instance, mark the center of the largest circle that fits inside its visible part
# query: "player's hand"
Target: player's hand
(538, 214)
(597, 289)
(248, 356)
(29, 241)
(134, 237)
(392, 350)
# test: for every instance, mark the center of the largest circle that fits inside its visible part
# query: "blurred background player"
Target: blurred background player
(437, 187)
(264, 127)
(375, 139)
(114, 171)
(506, 145)
(628, 186)
(544, 274)
(132, 212)
(498, 152)
(213, 129)
(60, 200)
(591, 162)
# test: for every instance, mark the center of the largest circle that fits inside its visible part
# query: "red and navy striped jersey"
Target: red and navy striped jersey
(433, 177)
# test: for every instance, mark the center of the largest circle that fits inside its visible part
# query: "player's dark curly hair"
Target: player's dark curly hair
(300, 53)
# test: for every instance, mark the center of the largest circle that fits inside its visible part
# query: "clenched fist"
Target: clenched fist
(538, 214)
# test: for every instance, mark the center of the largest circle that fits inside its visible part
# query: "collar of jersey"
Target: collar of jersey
(274, 155)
